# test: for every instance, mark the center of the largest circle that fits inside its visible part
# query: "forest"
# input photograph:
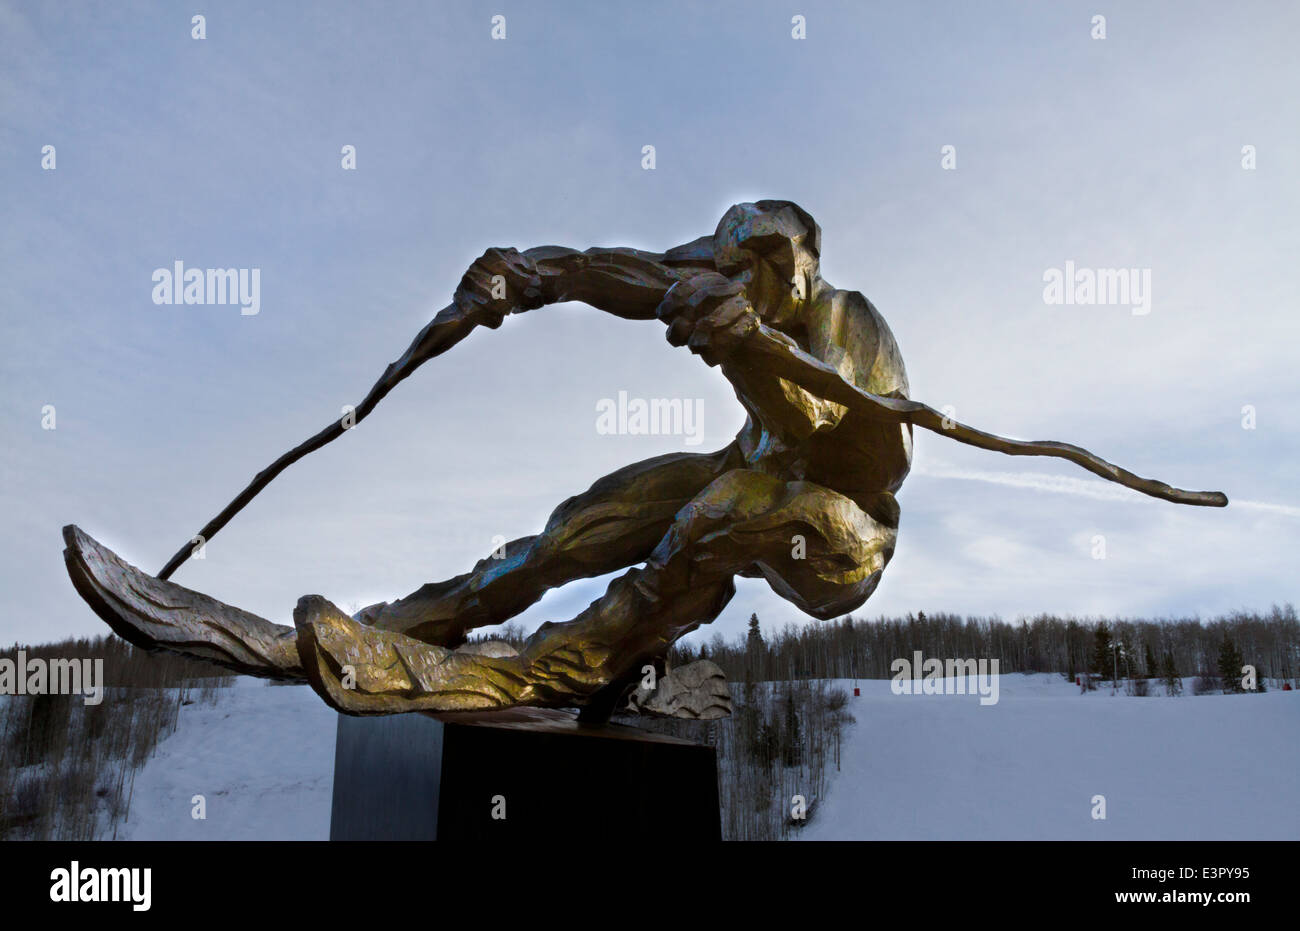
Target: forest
(851, 647)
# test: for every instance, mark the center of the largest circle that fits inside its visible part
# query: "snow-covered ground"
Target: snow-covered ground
(262, 758)
(943, 767)
(923, 767)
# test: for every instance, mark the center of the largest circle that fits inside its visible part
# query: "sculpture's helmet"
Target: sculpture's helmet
(777, 231)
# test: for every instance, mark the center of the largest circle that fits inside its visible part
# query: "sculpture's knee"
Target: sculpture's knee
(832, 552)
(816, 548)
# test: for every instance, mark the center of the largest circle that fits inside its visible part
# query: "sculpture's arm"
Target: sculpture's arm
(734, 333)
(628, 283)
(625, 282)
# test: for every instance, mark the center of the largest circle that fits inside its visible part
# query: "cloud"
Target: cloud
(1286, 510)
(1081, 487)
(1038, 481)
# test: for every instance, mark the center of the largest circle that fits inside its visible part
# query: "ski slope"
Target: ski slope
(262, 758)
(943, 767)
(913, 767)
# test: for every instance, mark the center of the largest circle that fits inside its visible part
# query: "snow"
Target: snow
(262, 758)
(943, 767)
(923, 767)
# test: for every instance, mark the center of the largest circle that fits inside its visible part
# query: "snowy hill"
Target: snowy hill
(926, 767)
(943, 767)
(262, 758)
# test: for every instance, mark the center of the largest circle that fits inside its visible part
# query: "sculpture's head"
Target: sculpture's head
(776, 244)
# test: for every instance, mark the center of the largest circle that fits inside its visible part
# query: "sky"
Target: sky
(1124, 152)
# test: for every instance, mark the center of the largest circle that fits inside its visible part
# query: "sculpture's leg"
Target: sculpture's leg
(612, 525)
(817, 548)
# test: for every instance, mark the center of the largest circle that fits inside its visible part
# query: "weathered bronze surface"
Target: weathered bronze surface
(803, 497)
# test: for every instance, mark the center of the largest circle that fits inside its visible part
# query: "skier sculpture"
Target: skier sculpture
(803, 497)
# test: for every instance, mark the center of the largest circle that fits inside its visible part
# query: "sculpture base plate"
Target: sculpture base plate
(531, 774)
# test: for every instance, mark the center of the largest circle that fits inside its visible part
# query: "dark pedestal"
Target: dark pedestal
(442, 777)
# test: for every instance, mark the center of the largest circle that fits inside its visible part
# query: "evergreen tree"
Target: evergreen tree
(1127, 655)
(755, 648)
(1074, 647)
(764, 749)
(1152, 670)
(1102, 660)
(1169, 672)
(1230, 663)
(749, 681)
(792, 749)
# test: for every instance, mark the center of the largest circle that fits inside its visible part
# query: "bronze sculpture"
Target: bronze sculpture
(803, 497)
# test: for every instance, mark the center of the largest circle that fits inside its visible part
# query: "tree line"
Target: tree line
(1130, 648)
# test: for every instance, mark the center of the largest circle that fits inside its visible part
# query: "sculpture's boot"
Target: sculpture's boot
(363, 670)
(359, 669)
(160, 615)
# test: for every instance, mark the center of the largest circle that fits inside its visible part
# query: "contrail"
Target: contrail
(1286, 510)
(1082, 487)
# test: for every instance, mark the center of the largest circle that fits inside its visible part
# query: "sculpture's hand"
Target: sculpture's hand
(499, 282)
(716, 336)
(707, 313)
(687, 302)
